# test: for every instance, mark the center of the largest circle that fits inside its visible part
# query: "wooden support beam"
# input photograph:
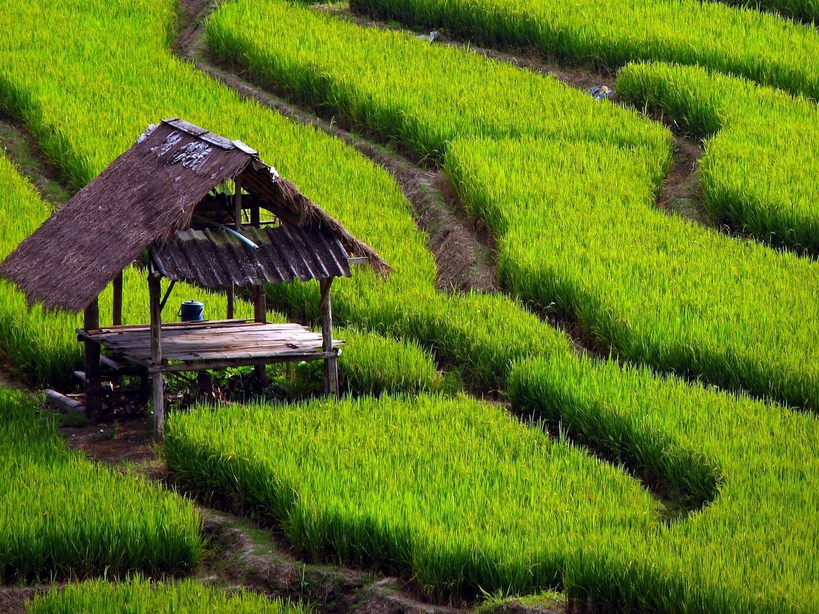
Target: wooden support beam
(330, 364)
(231, 301)
(260, 315)
(237, 203)
(255, 215)
(93, 396)
(116, 311)
(158, 385)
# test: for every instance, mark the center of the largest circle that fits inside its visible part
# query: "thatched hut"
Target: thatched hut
(161, 196)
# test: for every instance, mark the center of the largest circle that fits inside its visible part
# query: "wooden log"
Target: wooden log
(330, 363)
(158, 385)
(60, 401)
(116, 311)
(93, 396)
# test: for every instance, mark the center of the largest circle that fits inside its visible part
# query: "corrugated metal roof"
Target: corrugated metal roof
(216, 258)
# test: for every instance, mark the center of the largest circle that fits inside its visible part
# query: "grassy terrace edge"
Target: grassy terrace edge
(709, 322)
(62, 516)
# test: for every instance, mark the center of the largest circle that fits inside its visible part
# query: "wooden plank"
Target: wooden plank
(222, 364)
(202, 323)
(262, 341)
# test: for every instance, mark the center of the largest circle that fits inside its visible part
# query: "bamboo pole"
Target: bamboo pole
(93, 393)
(158, 385)
(330, 364)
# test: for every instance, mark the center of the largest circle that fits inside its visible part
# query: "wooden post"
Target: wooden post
(116, 315)
(237, 203)
(255, 215)
(93, 393)
(260, 315)
(154, 292)
(330, 364)
(231, 301)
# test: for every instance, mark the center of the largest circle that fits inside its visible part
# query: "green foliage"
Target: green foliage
(62, 516)
(375, 365)
(137, 596)
(656, 288)
(453, 491)
(417, 95)
(756, 539)
(114, 70)
(762, 157)
(611, 33)
(573, 213)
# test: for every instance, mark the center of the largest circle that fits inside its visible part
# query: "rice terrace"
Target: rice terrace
(409, 306)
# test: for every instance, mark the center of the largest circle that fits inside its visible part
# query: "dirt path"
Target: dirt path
(21, 148)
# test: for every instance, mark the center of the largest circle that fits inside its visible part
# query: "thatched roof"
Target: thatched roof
(143, 198)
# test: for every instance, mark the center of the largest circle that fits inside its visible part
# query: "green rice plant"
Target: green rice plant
(611, 33)
(374, 365)
(139, 596)
(63, 517)
(416, 95)
(756, 539)
(455, 492)
(654, 287)
(759, 168)
(114, 74)
(469, 501)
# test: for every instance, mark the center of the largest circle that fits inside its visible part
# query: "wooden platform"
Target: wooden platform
(194, 346)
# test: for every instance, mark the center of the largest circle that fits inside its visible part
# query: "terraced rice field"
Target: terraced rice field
(661, 457)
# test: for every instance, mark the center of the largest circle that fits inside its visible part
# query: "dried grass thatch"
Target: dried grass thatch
(142, 198)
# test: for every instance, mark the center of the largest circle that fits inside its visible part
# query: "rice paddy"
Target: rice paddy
(609, 34)
(64, 517)
(137, 595)
(682, 498)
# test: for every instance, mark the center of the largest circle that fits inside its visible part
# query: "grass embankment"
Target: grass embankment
(453, 492)
(751, 549)
(760, 163)
(611, 33)
(139, 596)
(466, 499)
(653, 287)
(62, 516)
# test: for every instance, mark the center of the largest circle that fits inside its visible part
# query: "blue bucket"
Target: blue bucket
(192, 311)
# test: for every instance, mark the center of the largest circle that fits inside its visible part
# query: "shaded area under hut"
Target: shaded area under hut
(161, 197)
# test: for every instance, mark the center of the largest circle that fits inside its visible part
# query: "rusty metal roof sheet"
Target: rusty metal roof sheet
(216, 258)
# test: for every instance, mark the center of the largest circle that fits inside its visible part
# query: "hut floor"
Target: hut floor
(190, 346)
